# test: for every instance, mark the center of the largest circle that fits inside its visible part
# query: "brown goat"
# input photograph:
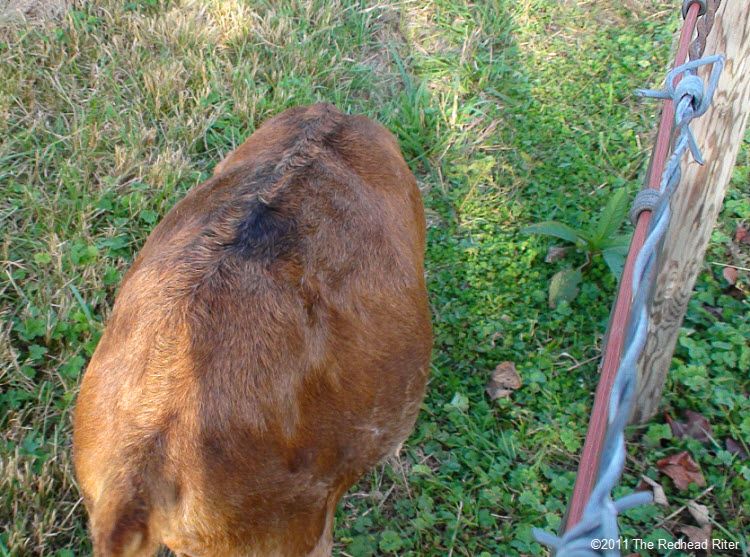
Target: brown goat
(269, 344)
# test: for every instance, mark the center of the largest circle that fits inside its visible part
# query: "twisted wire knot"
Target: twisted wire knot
(691, 86)
(691, 95)
(645, 200)
(686, 6)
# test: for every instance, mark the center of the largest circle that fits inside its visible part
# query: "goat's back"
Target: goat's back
(269, 344)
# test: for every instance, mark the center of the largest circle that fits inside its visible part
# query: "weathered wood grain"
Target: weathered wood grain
(697, 201)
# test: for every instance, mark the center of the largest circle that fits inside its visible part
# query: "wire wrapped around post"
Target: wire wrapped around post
(688, 98)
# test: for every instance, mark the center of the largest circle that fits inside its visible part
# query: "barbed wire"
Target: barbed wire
(706, 22)
(597, 533)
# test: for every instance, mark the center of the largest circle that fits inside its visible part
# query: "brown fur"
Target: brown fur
(269, 344)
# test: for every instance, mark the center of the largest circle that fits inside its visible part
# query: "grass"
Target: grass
(508, 113)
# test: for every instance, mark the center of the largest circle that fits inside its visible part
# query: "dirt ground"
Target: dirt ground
(31, 10)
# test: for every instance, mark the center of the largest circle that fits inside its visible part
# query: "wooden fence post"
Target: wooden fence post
(697, 201)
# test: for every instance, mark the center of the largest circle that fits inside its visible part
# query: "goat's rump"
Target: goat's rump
(269, 343)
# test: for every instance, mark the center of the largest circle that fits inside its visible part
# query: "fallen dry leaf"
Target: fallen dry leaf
(682, 469)
(504, 381)
(699, 513)
(555, 253)
(656, 489)
(730, 275)
(698, 534)
(735, 292)
(741, 235)
(696, 426)
(735, 448)
(718, 313)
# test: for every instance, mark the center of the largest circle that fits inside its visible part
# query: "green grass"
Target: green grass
(509, 113)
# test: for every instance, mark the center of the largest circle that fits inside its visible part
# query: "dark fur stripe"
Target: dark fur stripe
(266, 232)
